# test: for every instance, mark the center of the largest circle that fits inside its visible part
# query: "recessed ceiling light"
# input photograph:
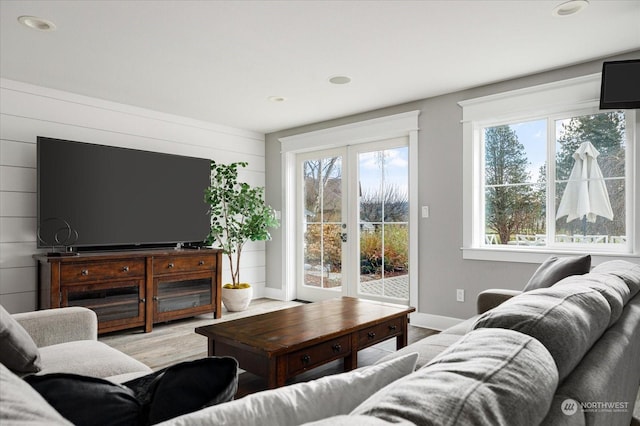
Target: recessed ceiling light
(277, 98)
(340, 79)
(569, 8)
(36, 23)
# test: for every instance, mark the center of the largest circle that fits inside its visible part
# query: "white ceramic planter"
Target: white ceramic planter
(237, 299)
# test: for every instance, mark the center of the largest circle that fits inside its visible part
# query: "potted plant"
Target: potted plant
(239, 214)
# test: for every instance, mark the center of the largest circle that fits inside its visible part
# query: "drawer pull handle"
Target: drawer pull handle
(393, 327)
(85, 272)
(336, 347)
(171, 265)
(155, 298)
(306, 359)
(125, 269)
(371, 335)
(143, 300)
(201, 263)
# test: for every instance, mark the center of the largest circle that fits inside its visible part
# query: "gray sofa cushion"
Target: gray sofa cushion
(611, 287)
(556, 268)
(427, 348)
(88, 358)
(488, 377)
(629, 272)
(566, 319)
(18, 351)
(21, 404)
(608, 373)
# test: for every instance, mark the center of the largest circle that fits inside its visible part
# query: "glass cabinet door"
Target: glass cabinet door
(113, 303)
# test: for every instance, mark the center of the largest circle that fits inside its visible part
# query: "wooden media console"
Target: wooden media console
(130, 289)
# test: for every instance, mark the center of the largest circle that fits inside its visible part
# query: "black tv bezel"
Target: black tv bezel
(634, 104)
(109, 247)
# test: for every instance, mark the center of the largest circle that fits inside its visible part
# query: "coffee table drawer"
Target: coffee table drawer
(377, 333)
(319, 354)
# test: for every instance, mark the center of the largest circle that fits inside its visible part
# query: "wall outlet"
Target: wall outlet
(459, 295)
(425, 211)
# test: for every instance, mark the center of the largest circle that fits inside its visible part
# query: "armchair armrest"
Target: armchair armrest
(52, 326)
(493, 297)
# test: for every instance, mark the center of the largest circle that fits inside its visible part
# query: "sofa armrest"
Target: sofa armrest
(53, 326)
(492, 297)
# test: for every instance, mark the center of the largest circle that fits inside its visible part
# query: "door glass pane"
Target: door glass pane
(384, 223)
(322, 194)
(590, 179)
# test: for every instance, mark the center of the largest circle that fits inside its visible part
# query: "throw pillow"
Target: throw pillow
(18, 351)
(87, 400)
(489, 377)
(20, 404)
(305, 402)
(185, 387)
(555, 268)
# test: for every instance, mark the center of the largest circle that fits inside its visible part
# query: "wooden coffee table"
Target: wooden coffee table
(282, 344)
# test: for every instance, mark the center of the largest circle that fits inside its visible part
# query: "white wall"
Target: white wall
(28, 111)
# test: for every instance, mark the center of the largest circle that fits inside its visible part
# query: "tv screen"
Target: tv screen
(104, 197)
(620, 86)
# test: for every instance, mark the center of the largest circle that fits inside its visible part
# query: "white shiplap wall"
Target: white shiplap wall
(28, 111)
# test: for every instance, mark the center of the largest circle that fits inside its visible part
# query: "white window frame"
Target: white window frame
(563, 97)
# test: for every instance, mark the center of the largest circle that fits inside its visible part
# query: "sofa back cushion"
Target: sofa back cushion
(627, 271)
(566, 319)
(611, 287)
(608, 374)
(18, 351)
(481, 379)
(556, 268)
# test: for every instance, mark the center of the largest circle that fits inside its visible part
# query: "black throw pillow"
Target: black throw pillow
(185, 387)
(556, 268)
(88, 400)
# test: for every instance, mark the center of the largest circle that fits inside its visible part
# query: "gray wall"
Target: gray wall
(441, 267)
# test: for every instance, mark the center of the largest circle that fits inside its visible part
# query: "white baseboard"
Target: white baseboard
(434, 322)
(273, 293)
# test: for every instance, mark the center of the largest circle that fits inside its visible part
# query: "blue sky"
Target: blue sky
(533, 135)
(396, 169)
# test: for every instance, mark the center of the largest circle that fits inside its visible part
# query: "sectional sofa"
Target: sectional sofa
(565, 351)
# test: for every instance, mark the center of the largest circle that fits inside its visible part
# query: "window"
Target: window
(548, 175)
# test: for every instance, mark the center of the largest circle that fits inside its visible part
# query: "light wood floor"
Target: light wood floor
(176, 341)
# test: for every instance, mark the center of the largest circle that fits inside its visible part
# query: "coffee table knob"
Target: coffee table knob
(336, 347)
(371, 335)
(306, 359)
(393, 327)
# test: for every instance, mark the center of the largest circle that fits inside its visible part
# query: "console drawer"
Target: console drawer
(174, 264)
(99, 271)
(379, 332)
(319, 354)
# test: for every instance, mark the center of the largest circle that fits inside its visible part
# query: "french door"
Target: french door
(352, 237)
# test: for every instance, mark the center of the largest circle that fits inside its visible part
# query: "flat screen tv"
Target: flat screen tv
(620, 88)
(102, 197)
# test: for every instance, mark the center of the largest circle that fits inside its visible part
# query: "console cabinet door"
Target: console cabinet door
(184, 295)
(118, 305)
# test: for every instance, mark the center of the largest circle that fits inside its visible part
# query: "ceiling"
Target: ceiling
(221, 61)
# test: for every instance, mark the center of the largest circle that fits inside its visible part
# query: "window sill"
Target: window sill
(539, 255)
